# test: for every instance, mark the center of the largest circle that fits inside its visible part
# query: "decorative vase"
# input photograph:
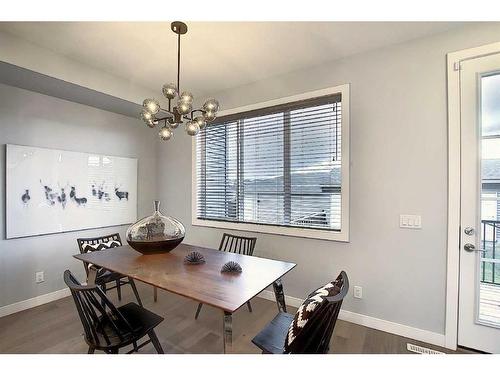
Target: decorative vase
(156, 233)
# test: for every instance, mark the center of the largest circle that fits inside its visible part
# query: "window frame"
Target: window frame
(341, 235)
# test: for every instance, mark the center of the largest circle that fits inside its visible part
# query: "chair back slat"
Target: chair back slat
(100, 326)
(237, 244)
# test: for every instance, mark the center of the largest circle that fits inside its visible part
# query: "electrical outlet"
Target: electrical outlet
(358, 292)
(39, 277)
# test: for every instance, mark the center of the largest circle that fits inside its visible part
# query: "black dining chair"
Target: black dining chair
(105, 277)
(283, 335)
(238, 245)
(108, 328)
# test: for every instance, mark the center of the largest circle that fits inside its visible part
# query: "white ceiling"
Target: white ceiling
(215, 55)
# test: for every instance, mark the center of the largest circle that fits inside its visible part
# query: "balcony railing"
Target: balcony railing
(490, 259)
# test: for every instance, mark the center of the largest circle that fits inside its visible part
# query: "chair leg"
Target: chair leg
(134, 288)
(119, 290)
(155, 342)
(249, 306)
(200, 305)
(91, 350)
(155, 293)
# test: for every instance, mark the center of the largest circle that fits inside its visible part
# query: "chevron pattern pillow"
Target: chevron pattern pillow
(101, 246)
(88, 248)
(306, 313)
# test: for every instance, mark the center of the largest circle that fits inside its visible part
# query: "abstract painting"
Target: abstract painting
(53, 191)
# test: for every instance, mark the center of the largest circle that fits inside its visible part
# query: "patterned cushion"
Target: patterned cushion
(87, 248)
(100, 246)
(306, 314)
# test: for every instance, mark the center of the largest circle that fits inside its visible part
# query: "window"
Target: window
(277, 167)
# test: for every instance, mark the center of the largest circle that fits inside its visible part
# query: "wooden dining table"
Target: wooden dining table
(204, 283)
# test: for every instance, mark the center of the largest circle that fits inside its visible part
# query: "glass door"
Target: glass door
(479, 295)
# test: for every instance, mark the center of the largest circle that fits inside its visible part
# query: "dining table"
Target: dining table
(204, 283)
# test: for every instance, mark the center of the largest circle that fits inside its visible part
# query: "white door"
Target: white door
(479, 294)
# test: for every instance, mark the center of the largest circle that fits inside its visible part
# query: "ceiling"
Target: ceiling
(215, 55)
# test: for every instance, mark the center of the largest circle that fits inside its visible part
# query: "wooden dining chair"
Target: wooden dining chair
(311, 328)
(108, 328)
(238, 245)
(105, 277)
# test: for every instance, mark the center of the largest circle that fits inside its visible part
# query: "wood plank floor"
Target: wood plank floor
(56, 328)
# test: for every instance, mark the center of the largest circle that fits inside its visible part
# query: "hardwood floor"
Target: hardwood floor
(56, 328)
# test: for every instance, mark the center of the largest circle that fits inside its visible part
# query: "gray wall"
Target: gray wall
(398, 165)
(29, 118)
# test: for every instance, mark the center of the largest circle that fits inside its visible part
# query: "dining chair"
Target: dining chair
(108, 328)
(311, 328)
(105, 277)
(234, 244)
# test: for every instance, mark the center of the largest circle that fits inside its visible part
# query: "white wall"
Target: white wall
(33, 119)
(398, 165)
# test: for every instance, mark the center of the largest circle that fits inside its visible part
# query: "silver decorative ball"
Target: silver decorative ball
(210, 116)
(192, 128)
(187, 97)
(165, 133)
(200, 120)
(169, 90)
(184, 107)
(211, 105)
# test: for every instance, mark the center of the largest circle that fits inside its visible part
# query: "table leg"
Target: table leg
(92, 275)
(280, 296)
(228, 332)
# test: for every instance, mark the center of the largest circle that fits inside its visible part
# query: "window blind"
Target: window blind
(274, 166)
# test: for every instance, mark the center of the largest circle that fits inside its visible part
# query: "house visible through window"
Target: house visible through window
(275, 166)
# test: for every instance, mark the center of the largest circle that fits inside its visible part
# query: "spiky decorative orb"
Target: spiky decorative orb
(232, 267)
(194, 257)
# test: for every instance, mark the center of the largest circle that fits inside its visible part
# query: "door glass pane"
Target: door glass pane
(489, 264)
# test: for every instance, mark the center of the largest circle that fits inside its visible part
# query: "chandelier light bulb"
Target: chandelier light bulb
(209, 116)
(187, 97)
(169, 90)
(151, 105)
(151, 123)
(165, 133)
(200, 121)
(146, 115)
(184, 107)
(211, 105)
(192, 128)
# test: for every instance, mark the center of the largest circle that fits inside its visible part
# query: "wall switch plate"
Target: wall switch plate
(39, 277)
(410, 221)
(358, 292)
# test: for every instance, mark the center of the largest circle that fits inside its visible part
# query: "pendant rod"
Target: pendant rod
(178, 62)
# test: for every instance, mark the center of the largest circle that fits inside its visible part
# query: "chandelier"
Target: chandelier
(182, 109)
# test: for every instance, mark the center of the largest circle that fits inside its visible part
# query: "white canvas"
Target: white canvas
(51, 191)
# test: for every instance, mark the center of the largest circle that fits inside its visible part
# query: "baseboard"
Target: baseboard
(375, 323)
(33, 302)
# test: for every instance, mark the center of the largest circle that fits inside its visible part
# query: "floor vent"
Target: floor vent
(420, 349)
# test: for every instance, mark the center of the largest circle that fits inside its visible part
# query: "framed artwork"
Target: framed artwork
(54, 191)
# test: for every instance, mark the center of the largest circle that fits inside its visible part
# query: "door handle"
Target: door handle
(469, 231)
(471, 248)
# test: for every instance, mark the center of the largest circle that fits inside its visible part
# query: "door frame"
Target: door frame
(454, 60)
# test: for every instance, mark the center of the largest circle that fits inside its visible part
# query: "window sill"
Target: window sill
(341, 236)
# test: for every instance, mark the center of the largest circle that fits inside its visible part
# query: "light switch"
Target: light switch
(410, 221)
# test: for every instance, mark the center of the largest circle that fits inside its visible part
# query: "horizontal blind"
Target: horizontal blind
(277, 166)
